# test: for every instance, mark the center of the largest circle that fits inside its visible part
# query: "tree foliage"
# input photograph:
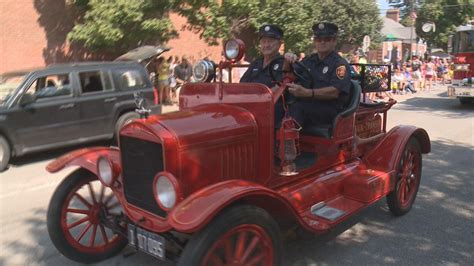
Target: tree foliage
(445, 14)
(224, 19)
(124, 24)
(118, 25)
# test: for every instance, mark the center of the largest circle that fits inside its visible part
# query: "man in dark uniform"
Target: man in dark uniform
(321, 104)
(270, 42)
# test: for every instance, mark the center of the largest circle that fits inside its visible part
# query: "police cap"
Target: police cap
(272, 31)
(324, 29)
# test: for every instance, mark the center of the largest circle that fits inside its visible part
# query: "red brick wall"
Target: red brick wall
(22, 39)
(190, 44)
(33, 34)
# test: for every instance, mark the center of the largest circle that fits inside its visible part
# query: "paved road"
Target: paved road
(438, 231)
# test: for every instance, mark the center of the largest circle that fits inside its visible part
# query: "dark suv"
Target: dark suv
(67, 104)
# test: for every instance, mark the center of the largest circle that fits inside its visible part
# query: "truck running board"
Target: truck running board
(325, 215)
(328, 213)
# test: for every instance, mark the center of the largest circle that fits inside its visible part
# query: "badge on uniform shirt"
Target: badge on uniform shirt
(275, 67)
(341, 72)
(325, 69)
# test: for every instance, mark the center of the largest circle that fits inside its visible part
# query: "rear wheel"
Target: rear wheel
(75, 219)
(243, 235)
(5, 153)
(123, 120)
(401, 199)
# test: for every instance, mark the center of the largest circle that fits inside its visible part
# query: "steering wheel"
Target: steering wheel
(301, 72)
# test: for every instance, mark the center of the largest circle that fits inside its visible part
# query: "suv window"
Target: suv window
(130, 79)
(92, 81)
(51, 86)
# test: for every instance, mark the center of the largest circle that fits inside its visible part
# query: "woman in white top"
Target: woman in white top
(430, 73)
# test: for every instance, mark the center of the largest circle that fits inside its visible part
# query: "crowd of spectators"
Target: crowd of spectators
(169, 76)
(413, 75)
(409, 76)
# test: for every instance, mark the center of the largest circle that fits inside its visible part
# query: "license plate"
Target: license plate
(147, 242)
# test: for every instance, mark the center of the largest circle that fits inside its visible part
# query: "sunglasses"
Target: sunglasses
(324, 38)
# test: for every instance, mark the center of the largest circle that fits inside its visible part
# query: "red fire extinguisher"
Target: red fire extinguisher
(288, 145)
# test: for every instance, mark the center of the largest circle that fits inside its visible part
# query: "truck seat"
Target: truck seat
(325, 131)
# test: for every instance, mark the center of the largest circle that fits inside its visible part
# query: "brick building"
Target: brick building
(33, 34)
(399, 41)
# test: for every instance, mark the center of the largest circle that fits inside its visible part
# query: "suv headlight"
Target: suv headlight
(106, 171)
(166, 190)
(234, 49)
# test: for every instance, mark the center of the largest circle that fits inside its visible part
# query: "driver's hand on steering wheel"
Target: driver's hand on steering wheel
(290, 57)
(299, 91)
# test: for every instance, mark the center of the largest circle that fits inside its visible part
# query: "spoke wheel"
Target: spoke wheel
(244, 245)
(75, 215)
(242, 235)
(402, 198)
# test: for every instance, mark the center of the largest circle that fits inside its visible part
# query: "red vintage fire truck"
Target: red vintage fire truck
(207, 185)
(463, 51)
(462, 45)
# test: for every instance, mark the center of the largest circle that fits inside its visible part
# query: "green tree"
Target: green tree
(446, 15)
(119, 25)
(224, 19)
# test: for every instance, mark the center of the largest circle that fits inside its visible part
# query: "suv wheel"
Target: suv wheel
(5, 153)
(123, 120)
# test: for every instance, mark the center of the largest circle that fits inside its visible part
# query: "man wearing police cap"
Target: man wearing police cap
(270, 42)
(330, 72)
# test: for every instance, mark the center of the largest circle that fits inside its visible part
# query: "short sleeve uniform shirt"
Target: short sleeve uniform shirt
(256, 73)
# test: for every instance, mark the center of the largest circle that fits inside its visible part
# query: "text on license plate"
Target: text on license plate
(147, 242)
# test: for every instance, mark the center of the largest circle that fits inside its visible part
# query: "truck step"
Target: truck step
(325, 215)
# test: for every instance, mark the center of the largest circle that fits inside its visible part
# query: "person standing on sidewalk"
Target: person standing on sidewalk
(430, 74)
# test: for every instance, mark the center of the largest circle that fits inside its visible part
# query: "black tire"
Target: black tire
(464, 100)
(5, 153)
(61, 239)
(409, 179)
(202, 242)
(123, 120)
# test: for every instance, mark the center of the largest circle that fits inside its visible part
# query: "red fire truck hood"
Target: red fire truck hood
(208, 123)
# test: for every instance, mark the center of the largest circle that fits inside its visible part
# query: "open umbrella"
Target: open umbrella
(440, 54)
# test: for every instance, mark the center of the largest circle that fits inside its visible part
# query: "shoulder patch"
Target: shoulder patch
(341, 72)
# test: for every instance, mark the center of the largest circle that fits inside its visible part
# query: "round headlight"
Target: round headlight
(165, 192)
(105, 170)
(234, 49)
(204, 71)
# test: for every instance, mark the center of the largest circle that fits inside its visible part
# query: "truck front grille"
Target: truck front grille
(141, 161)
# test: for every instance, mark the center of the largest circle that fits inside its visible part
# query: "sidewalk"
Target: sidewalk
(436, 88)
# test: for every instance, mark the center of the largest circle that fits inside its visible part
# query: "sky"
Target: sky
(383, 6)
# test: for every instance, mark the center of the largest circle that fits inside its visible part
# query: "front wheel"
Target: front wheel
(75, 219)
(408, 175)
(242, 235)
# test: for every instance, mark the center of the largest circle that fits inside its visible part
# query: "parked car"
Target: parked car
(67, 104)
(207, 185)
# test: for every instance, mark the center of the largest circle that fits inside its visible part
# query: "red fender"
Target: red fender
(387, 152)
(85, 158)
(199, 209)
